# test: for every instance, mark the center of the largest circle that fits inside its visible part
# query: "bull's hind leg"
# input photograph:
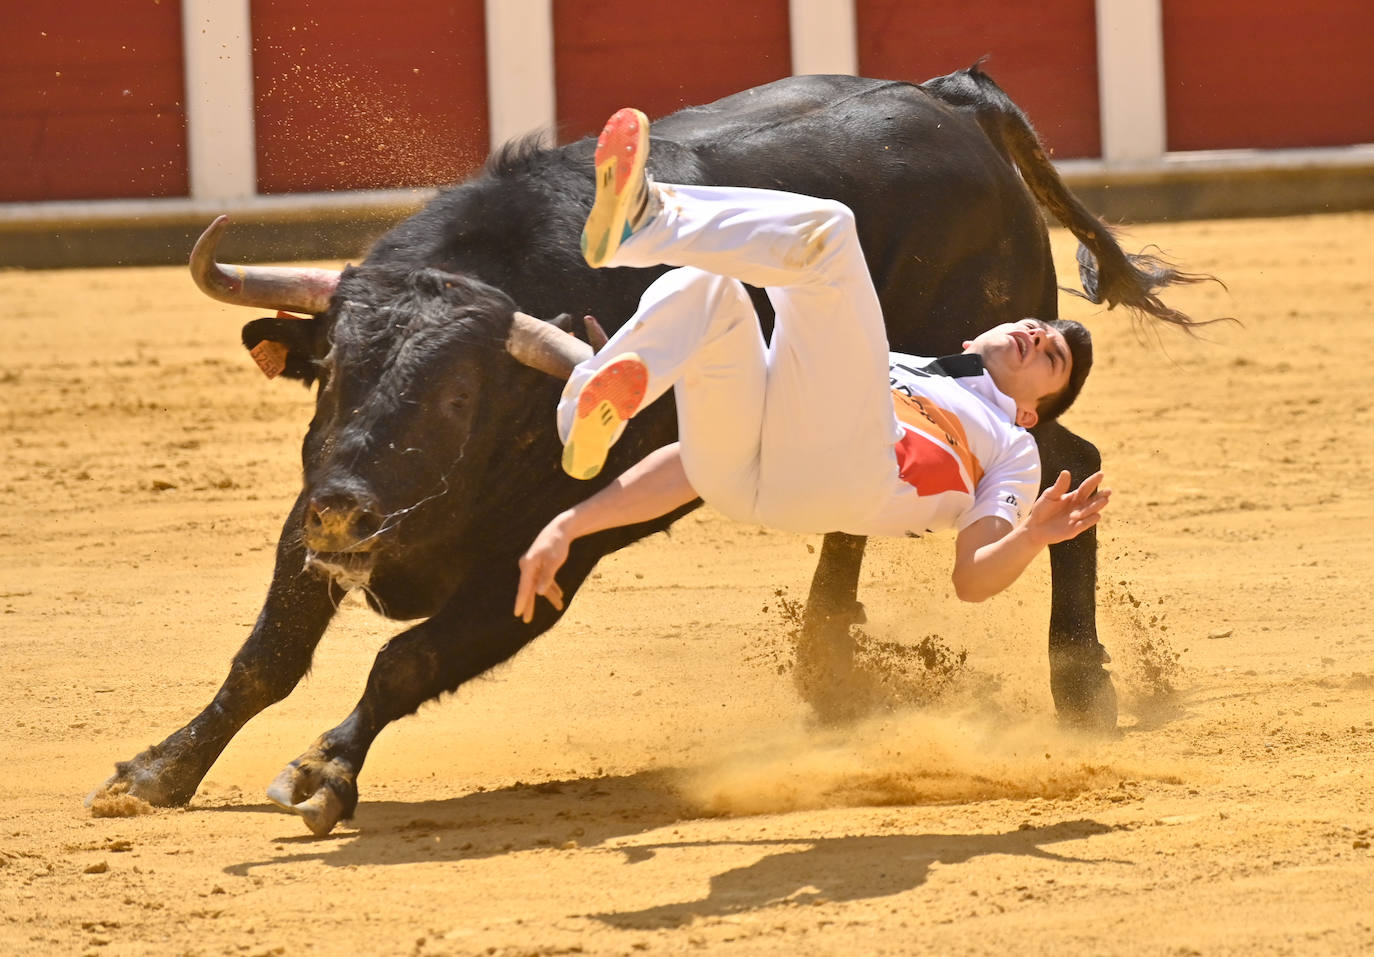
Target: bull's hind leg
(269, 665)
(825, 649)
(1083, 692)
(1082, 689)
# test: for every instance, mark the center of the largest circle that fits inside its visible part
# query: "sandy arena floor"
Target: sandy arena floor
(644, 778)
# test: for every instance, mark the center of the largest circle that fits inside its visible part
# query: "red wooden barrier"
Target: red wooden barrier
(1043, 54)
(352, 94)
(614, 53)
(1268, 73)
(91, 102)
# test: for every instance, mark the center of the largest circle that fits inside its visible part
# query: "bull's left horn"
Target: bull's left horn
(543, 346)
(289, 289)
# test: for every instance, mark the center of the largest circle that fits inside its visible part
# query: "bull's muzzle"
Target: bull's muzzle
(338, 522)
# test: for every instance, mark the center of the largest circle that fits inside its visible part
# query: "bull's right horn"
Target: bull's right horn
(289, 289)
(542, 346)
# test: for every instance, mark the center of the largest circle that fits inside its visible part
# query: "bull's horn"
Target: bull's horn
(542, 346)
(289, 289)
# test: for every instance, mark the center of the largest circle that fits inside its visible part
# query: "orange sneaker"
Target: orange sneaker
(608, 400)
(622, 189)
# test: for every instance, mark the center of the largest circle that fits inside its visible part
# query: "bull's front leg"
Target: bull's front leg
(474, 632)
(1083, 692)
(825, 648)
(271, 662)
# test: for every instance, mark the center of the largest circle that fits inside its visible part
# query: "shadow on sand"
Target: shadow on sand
(840, 869)
(594, 812)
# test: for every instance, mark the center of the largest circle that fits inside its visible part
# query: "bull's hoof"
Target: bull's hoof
(149, 777)
(1083, 692)
(322, 791)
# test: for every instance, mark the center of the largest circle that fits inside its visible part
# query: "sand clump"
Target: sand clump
(113, 804)
(860, 672)
(1150, 674)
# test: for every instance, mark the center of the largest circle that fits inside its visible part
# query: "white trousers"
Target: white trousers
(796, 434)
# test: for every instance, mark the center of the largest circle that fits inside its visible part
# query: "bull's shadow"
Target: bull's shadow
(595, 811)
(587, 811)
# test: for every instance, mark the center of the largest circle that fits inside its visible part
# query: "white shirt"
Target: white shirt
(961, 457)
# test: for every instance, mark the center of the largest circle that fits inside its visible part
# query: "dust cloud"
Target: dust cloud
(914, 757)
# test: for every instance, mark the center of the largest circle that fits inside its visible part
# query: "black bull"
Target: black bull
(432, 459)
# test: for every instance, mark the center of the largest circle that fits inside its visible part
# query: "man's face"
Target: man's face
(1027, 360)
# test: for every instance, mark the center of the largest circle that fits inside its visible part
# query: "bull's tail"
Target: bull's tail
(1109, 274)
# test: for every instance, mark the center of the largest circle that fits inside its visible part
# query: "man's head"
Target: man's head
(1040, 365)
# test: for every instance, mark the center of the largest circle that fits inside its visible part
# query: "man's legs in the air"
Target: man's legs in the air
(697, 331)
(826, 392)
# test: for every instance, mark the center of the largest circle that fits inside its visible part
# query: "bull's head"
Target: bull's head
(408, 363)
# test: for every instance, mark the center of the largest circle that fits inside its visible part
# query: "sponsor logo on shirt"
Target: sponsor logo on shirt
(933, 447)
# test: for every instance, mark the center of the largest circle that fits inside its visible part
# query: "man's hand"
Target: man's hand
(538, 565)
(990, 554)
(652, 487)
(1059, 515)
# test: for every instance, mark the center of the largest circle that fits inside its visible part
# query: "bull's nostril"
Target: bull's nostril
(367, 524)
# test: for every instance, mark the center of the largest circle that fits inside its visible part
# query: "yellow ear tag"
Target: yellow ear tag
(271, 356)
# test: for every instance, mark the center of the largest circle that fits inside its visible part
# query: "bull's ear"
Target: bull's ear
(588, 330)
(287, 346)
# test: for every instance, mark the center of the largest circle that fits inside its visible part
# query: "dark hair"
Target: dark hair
(1080, 343)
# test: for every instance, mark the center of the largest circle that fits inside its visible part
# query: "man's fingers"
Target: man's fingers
(1079, 514)
(1076, 524)
(554, 594)
(1087, 488)
(543, 582)
(1099, 501)
(524, 592)
(1055, 493)
(1090, 512)
(536, 578)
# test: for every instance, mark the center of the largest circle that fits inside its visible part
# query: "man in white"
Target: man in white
(820, 429)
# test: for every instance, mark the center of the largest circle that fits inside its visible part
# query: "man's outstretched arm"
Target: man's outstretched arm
(990, 554)
(653, 486)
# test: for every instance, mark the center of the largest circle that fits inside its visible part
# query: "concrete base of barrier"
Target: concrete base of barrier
(1228, 185)
(343, 225)
(333, 226)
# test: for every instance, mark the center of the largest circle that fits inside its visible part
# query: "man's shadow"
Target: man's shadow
(840, 869)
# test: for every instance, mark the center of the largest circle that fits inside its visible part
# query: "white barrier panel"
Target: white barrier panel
(217, 38)
(1130, 77)
(520, 79)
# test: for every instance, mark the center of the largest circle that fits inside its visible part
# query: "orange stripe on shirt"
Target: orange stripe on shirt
(942, 425)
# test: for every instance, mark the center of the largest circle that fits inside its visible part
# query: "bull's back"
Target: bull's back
(954, 239)
(751, 110)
